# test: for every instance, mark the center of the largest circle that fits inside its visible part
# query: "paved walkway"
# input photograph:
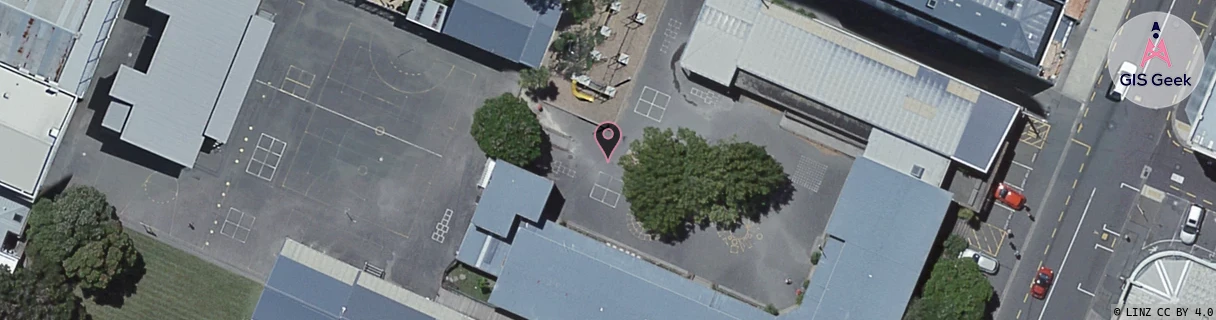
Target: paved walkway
(1091, 58)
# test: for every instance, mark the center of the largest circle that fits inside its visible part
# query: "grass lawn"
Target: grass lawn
(178, 285)
(470, 285)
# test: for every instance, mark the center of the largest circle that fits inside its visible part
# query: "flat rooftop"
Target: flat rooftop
(32, 114)
(1201, 102)
(1020, 26)
(868, 82)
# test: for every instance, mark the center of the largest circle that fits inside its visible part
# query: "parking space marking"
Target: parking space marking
(237, 225)
(267, 154)
(1036, 132)
(441, 227)
(655, 102)
(988, 239)
(607, 195)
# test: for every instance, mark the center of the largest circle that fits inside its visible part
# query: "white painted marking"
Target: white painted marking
(1060, 272)
(1023, 166)
(1124, 185)
(1098, 246)
(1091, 294)
(1104, 228)
(1176, 178)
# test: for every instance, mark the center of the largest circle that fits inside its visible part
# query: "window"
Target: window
(917, 171)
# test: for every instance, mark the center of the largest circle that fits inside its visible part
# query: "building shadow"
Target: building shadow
(543, 165)
(553, 207)
(52, 189)
(456, 46)
(111, 142)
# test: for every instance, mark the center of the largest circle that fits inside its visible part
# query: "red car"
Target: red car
(1010, 197)
(1042, 282)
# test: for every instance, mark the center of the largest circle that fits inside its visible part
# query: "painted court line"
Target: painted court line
(356, 121)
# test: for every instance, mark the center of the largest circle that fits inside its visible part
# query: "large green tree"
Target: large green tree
(507, 130)
(24, 295)
(78, 235)
(956, 290)
(673, 178)
(580, 10)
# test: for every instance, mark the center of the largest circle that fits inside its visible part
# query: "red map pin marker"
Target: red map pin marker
(607, 136)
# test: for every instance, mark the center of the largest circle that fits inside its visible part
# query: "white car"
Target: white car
(1118, 89)
(987, 263)
(1190, 226)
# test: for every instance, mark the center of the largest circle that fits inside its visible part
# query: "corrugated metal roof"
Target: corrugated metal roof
(240, 77)
(33, 43)
(853, 76)
(512, 29)
(172, 103)
(865, 276)
(306, 284)
(1200, 103)
(511, 192)
(483, 251)
(81, 63)
(1018, 25)
(556, 273)
(905, 157)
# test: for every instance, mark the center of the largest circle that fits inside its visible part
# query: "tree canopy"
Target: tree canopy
(673, 178)
(580, 10)
(534, 79)
(956, 290)
(507, 130)
(78, 234)
(24, 295)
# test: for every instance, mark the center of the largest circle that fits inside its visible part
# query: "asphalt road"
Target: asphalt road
(1079, 224)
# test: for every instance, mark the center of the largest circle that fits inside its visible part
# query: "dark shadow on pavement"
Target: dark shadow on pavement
(112, 144)
(548, 93)
(993, 304)
(553, 207)
(544, 164)
(1208, 165)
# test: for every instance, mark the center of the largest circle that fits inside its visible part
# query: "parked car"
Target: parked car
(1010, 197)
(1190, 226)
(1042, 282)
(987, 263)
(1117, 89)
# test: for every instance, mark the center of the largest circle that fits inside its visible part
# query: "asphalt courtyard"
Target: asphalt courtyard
(353, 140)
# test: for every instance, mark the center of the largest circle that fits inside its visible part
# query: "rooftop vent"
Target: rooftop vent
(917, 171)
(931, 4)
(6, 96)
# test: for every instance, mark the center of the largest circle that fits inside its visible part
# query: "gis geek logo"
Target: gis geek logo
(1141, 66)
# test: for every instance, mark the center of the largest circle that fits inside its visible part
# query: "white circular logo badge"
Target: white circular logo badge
(1155, 60)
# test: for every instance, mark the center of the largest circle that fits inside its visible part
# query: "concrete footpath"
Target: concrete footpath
(1090, 59)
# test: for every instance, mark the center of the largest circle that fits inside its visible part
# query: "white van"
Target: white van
(1190, 226)
(1117, 89)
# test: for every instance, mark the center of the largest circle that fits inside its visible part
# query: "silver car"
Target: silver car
(986, 262)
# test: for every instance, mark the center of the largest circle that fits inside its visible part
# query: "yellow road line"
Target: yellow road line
(1024, 300)
(1087, 110)
(1129, 14)
(1045, 249)
(1053, 232)
(1074, 183)
(1175, 188)
(1192, 195)
(1066, 200)
(1087, 147)
(1197, 21)
(1091, 98)
(1187, 150)
(1082, 168)
(1061, 216)
(1079, 126)
(1207, 202)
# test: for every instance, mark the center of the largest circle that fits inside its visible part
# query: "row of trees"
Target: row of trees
(76, 241)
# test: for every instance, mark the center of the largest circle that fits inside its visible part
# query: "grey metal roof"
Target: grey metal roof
(556, 273)
(33, 43)
(306, 284)
(368, 305)
(849, 74)
(239, 78)
(312, 288)
(172, 103)
(483, 251)
(511, 192)
(880, 234)
(1017, 25)
(512, 29)
(95, 29)
(65, 13)
(116, 116)
(903, 156)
